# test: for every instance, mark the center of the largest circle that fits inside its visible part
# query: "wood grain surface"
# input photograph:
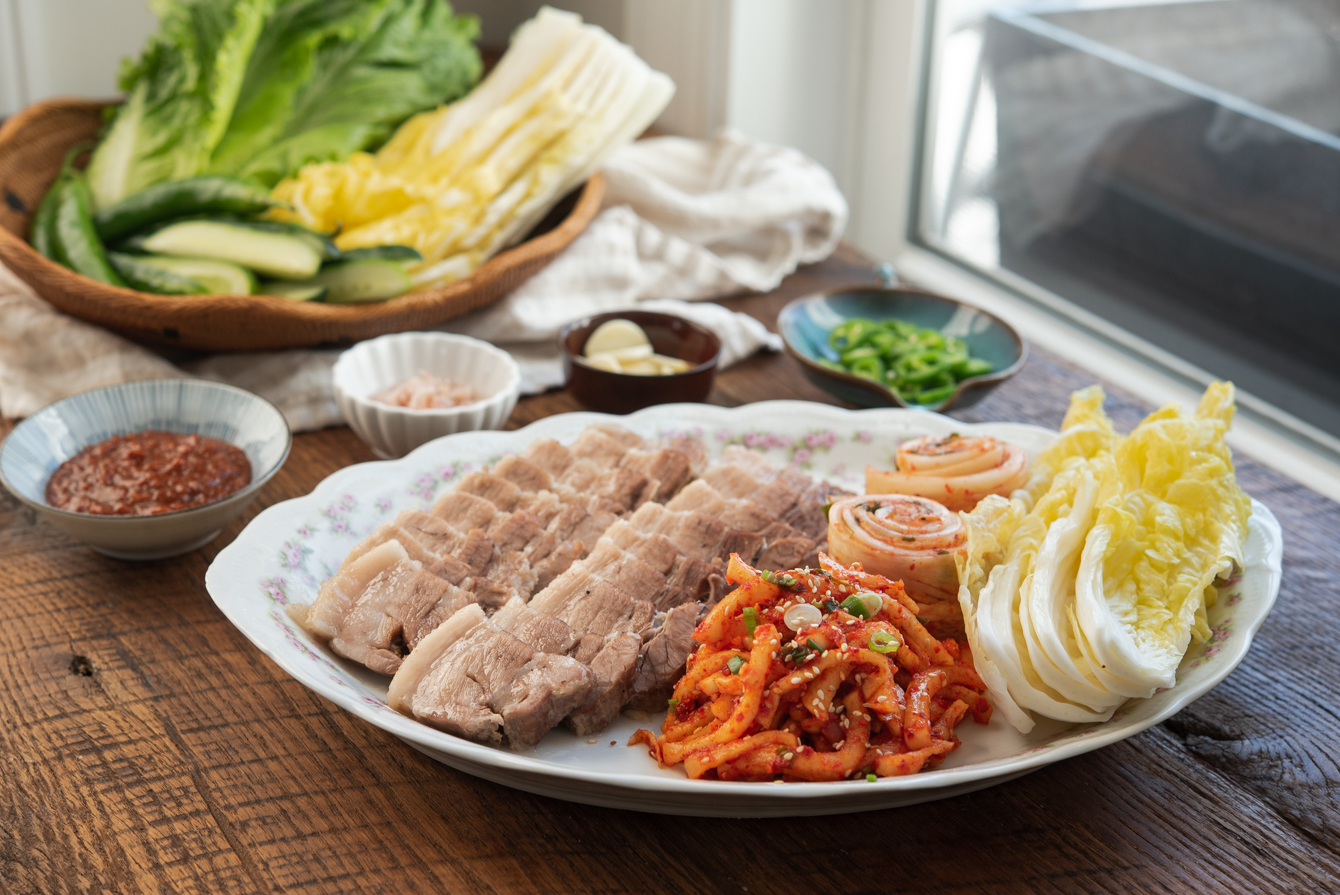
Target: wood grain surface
(148, 747)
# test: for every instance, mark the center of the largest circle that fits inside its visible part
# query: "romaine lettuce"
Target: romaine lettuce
(258, 88)
(181, 94)
(333, 77)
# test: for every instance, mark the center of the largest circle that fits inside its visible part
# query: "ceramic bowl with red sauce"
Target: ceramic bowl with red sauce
(199, 452)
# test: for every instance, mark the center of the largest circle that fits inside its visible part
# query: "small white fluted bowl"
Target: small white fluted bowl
(41, 443)
(380, 363)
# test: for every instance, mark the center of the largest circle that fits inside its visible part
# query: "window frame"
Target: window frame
(901, 86)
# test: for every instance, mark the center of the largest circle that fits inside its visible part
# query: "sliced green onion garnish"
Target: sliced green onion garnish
(830, 605)
(674, 704)
(750, 620)
(884, 642)
(735, 663)
(870, 778)
(863, 605)
(814, 646)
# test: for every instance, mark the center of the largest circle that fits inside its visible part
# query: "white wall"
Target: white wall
(66, 47)
(796, 78)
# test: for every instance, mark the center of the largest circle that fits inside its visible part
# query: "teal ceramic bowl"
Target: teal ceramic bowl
(806, 322)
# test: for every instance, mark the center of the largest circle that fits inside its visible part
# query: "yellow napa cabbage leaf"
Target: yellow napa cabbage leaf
(1086, 431)
(1087, 587)
(465, 181)
(1178, 522)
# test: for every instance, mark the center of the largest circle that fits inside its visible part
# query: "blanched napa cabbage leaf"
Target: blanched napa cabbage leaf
(1179, 521)
(1086, 431)
(180, 95)
(465, 181)
(1090, 590)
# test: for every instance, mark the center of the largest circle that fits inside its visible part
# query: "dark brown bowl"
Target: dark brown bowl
(623, 392)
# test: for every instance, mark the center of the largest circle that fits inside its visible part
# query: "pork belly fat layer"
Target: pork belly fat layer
(337, 595)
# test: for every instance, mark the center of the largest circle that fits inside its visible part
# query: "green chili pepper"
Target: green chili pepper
(915, 369)
(43, 235)
(867, 368)
(933, 395)
(920, 366)
(972, 366)
(884, 642)
(852, 333)
(750, 620)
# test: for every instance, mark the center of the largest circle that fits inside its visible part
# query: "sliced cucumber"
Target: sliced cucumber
(368, 280)
(406, 256)
(147, 276)
(321, 241)
(280, 255)
(295, 291)
(216, 277)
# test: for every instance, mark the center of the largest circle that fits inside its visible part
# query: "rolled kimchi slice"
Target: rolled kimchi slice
(954, 470)
(908, 539)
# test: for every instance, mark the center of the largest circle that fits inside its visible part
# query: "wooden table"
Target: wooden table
(148, 747)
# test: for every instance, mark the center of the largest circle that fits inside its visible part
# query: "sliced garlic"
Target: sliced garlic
(669, 364)
(616, 335)
(605, 362)
(625, 355)
(646, 367)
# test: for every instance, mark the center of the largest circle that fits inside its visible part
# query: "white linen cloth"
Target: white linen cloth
(682, 220)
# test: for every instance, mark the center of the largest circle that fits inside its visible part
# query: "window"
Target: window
(1172, 167)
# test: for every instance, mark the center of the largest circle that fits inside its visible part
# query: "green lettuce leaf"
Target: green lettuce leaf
(181, 95)
(332, 77)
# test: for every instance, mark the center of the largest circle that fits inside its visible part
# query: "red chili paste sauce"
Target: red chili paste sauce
(148, 473)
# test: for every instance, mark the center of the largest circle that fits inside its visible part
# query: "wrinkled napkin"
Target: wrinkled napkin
(683, 220)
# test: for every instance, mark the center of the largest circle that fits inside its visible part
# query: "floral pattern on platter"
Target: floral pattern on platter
(801, 451)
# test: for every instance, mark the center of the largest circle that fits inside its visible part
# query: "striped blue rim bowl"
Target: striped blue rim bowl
(41, 443)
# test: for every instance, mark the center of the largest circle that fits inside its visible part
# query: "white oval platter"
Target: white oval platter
(286, 551)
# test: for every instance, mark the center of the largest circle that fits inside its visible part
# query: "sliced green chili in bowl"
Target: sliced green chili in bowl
(923, 366)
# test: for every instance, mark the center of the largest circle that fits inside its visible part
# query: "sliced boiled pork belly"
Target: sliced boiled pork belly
(375, 610)
(337, 594)
(662, 658)
(394, 613)
(475, 680)
(502, 533)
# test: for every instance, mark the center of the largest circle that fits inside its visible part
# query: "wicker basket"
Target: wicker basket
(32, 145)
